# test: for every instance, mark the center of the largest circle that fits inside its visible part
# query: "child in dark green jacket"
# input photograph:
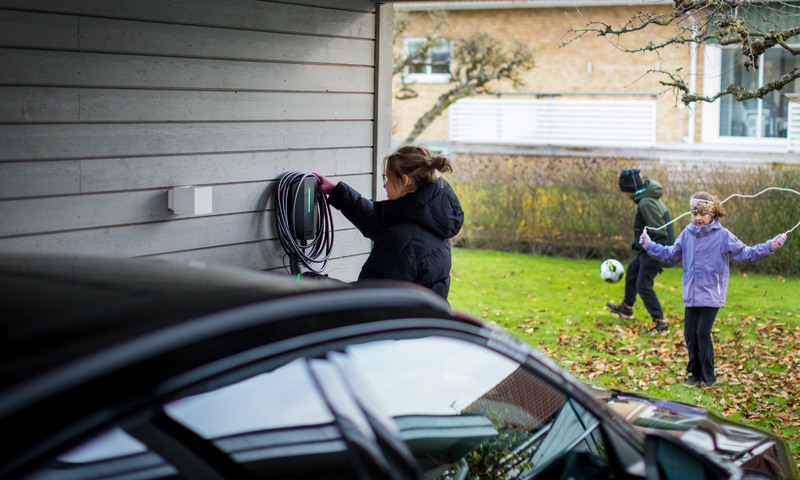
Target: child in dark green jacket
(641, 272)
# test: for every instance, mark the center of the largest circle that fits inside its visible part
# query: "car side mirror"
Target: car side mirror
(667, 458)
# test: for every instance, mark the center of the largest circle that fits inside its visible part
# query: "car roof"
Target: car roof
(57, 308)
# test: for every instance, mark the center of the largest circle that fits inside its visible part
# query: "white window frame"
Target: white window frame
(712, 83)
(427, 77)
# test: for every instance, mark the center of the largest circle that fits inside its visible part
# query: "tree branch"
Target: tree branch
(741, 94)
(478, 60)
(749, 24)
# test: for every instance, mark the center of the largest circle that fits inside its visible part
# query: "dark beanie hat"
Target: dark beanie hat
(629, 180)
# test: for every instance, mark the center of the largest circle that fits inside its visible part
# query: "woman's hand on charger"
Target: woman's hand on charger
(325, 185)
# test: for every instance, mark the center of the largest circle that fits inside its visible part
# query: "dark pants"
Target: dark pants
(697, 331)
(639, 278)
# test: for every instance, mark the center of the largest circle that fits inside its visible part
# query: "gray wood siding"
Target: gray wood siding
(104, 106)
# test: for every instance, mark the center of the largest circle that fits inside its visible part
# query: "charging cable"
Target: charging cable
(312, 251)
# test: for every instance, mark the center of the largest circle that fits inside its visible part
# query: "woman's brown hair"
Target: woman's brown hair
(418, 163)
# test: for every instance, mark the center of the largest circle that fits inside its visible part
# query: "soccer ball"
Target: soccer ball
(611, 270)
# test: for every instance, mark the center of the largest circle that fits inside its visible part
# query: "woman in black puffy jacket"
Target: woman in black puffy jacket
(411, 230)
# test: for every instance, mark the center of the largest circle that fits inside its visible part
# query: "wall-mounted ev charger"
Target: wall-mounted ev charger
(303, 221)
(304, 207)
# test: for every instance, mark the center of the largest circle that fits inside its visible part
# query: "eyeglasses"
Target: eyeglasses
(702, 211)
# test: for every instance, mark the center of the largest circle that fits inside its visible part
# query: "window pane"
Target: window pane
(746, 119)
(412, 46)
(440, 58)
(418, 68)
(420, 65)
(737, 119)
(436, 62)
(775, 105)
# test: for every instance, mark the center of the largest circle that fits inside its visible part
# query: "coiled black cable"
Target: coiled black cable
(317, 250)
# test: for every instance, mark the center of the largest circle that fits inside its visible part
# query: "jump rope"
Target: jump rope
(731, 196)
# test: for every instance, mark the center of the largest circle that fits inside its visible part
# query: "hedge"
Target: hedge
(572, 207)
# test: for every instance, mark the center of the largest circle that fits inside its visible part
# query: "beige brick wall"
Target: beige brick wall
(560, 69)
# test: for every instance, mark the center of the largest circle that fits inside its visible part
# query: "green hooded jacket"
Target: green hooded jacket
(651, 212)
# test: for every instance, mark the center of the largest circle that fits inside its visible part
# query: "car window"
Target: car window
(285, 421)
(114, 443)
(113, 454)
(456, 407)
(283, 398)
(458, 402)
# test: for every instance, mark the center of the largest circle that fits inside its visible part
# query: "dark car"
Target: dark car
(145, 369)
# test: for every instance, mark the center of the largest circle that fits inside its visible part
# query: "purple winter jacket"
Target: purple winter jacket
(706, 252)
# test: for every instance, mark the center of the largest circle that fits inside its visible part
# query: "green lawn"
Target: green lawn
(557, 305)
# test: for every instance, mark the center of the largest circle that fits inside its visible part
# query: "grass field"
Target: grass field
(557, 305)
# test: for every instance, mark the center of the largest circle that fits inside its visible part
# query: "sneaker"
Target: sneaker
(692, 380)
(711, 383)
(658, 327)
(622, 310)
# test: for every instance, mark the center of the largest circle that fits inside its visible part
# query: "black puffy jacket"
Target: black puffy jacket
(411, 234)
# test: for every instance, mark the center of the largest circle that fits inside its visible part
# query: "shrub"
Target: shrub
(572, 207)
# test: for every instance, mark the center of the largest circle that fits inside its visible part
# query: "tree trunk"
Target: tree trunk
(442, 103)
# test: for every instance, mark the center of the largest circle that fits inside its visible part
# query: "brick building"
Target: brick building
(590, 94)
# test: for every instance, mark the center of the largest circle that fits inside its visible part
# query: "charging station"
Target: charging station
(303, 222)
(304, 208)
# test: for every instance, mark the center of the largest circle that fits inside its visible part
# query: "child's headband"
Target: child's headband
(702, 206)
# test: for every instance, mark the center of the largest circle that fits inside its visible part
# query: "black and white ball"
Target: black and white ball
(611, 270)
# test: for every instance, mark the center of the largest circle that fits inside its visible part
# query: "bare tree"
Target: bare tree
(477, 61)
(404, 60)
(753, 26)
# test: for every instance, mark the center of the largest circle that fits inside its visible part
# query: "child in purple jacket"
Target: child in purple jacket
(705, 247)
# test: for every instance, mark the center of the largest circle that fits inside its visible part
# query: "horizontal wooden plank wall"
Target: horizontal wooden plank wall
(106, 105)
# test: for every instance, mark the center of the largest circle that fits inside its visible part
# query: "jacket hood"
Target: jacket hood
(651, 189)
(698, 231)
(434, 207)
